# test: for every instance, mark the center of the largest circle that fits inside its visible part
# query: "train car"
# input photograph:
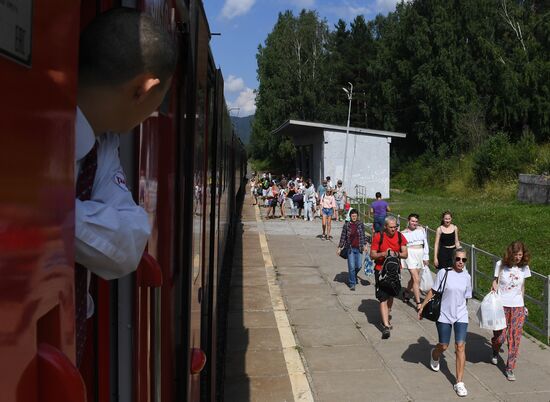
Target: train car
(155, 332)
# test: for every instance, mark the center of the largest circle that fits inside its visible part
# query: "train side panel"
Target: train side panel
(38, 74)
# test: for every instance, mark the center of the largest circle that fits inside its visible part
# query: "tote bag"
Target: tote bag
(432, 309)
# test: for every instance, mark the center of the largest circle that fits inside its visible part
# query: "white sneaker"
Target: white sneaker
(460, 389)
(434, 364)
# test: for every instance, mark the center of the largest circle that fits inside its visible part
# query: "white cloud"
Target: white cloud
(234, 8)
(245, 102)
(347, 10)
(302, 3)
(234, 84)
(385, 6)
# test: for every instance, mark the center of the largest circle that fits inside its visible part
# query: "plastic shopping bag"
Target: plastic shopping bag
(491, 313)
(426, 280)
(368, 265)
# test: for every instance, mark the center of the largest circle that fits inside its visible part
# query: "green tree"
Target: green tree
(292, 73)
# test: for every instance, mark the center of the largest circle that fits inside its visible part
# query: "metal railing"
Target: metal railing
(481, 267)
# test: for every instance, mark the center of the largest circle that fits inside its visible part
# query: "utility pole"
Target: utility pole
(349, 93)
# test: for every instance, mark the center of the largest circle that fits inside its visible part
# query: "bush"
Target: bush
(430, 172)
(542, 161)
(499, 159)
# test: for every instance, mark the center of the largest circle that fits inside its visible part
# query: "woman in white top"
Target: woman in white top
(419, 256)
(454, 315)
(509, 282)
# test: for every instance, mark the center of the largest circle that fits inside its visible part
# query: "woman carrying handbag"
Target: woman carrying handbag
(455, 287)
(353, 239)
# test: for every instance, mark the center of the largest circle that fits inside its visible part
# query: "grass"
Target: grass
(491, 225)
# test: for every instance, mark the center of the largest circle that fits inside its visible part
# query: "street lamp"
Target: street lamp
(349, 93)
(238, 109)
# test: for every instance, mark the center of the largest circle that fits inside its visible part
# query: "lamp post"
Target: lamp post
(238, 109)
(349, 93)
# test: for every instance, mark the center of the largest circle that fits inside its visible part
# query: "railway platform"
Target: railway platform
(297, 333)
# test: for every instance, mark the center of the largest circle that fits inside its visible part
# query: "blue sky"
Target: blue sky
(244, 24)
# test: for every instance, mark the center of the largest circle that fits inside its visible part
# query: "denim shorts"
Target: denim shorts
(444, 332)
(328, 211)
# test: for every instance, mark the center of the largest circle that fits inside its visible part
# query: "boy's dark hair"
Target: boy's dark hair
(413, 216)
(378, 194)
(122, 43)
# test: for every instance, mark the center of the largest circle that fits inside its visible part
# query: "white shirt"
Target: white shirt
(417, 237)
(309, 194)
(457, 290)
(510, 283)
(110, 229)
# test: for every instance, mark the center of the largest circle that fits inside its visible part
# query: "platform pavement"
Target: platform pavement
(339, 335)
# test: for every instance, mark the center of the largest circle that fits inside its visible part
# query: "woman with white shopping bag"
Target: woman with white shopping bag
(418, 257)
(426, 279)
(491, 312)
(509, 282)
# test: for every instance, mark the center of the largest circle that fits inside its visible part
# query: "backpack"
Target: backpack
(298, 197)
(390, 275)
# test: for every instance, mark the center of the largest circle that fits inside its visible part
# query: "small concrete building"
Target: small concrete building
(321, 151)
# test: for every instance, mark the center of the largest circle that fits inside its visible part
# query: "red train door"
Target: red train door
(38, 72)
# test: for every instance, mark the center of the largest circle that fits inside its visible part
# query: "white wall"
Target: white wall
(371, 163)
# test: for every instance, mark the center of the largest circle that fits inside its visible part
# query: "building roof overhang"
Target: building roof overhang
(299, 127)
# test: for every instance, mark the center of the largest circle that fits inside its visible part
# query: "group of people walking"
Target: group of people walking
(298, 198)
(452, 281)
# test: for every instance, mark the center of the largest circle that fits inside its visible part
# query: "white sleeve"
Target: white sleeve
(109, 241)
(438, 279)
(468, 292)
(111, 231)
(526, 271)
(426, 255)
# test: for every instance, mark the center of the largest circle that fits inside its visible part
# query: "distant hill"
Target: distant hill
(243, 127)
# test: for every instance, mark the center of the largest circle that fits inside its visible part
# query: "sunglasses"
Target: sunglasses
(458, 259)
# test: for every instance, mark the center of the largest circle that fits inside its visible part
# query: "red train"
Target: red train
(154, 329)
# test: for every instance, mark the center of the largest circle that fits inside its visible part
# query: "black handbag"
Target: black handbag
(344, 252)
(432, 309)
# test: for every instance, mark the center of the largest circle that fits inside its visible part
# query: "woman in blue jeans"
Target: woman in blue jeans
(353, 237)
(457, 288)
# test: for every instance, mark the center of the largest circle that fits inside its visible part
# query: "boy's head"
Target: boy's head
(126, 61)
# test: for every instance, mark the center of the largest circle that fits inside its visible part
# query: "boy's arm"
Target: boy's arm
(110, 230)
(110, 241)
